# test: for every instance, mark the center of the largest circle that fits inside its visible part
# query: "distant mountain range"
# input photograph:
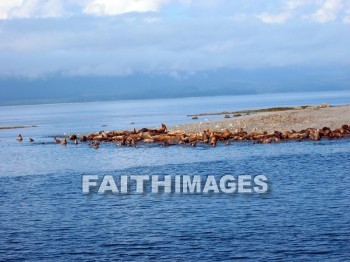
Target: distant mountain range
(56, 89)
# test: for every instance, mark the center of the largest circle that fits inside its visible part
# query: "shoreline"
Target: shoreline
(263, 126)
(16, 127)
(261, 110)
(306, 123)
(287, 120)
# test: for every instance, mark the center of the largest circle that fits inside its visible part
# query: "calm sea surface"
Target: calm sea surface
(44, 216)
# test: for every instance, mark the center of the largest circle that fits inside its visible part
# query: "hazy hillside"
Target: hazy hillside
(54, 89)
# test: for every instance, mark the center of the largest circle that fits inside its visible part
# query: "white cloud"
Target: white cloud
(208, 36)
(274, 18)
(26, 9)
(7, 5)
(294, 4)
(51, 8)
(321, 11)
(328, 11)
(30, 8)
(55, 8)
(108, 7)
(267, 11)
(287, 12)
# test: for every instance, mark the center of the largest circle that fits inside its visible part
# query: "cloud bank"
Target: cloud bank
(268, 11)
(176, 38)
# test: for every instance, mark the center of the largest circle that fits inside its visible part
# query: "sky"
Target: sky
(174, 38)
(124, 37)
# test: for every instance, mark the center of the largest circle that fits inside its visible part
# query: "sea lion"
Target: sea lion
(19, 138)
(185, 139)
(143, 130)
(294, 135)
(284, 134)
(166, 143)
(195, 137)
(276, 139)
(213, 141)
(154, 132)
(277, 134)
(31, 139)
(64, 141)
(335, 135)
(130, 141)
(163, 129)
(161, 138)
(56, 140)
(267, 140)
(72, 137)
(103, 134)
(315, 135)
(176, 132)
(95, 144)
(226, 134)
(205, 138)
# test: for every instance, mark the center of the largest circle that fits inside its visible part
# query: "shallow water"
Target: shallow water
(45, 216)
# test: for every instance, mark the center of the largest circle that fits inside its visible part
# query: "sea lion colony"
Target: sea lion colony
(212, 137)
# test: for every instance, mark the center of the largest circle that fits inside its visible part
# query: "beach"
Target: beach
(298, 119)
(261, 125)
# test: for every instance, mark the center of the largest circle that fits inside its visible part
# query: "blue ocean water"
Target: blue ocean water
(45, 216)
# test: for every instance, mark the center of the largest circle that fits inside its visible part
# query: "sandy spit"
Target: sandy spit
(313, 117)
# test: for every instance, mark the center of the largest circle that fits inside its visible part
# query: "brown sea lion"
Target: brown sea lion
(226, 134)
(176, 132)
(267, 140)
(95, 144)
(213, 141)
(19, 138)
(205, 138)
(72, 137)
(163, 129)
(315, 135)
(276, 139)
(161, 138)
